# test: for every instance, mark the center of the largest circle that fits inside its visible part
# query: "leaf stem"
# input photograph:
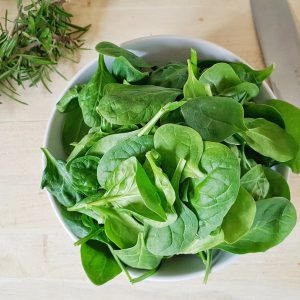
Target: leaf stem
(88, 237)
(144, 276)
(166, 108)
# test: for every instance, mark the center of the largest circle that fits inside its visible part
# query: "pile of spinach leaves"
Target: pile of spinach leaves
(172, 160)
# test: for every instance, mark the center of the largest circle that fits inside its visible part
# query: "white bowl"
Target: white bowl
(158, 50)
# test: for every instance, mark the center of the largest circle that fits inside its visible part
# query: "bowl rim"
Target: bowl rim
(71, 82)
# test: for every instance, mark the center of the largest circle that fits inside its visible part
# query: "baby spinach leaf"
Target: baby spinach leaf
(68, 101)
(175, 142)
(256, 183)
(98, 262)
(85, 143)
(113, 50)
(109, 141)
(83, 172)
(164, 188)
(129, 187)
(73, 221)
(269, 139)
(214, 194)
(203, 244)
(193, 87)
(92, 212)
(172, 239)
(130, 180)
(265, 111)
(215, 118)
(194, 62)
(169, 76)
(58, 181)
(136, 146)
(233, 140)
(291, 117)
(239, 218)
(133, 104)
(123, 69)
(278, 185)
(241, 92)
(160, 179)
(92, 92)
(139, 256)
(74, 129)
(220, 77)
(223, 81)
(121, 228)
(262, 182)
(245, 73)
(274, 220)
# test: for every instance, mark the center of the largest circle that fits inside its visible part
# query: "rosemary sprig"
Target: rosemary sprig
(41, 33)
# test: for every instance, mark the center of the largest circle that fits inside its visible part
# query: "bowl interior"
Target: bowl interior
(158, 50)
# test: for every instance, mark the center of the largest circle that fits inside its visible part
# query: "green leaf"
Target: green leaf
(68, 101)
(121, 228)
(92, 212)
(83, 172)
(136, 146)
(173, 239)
(274, 220)
(239, 218)
(193, 87)
(169, 76)
(265, 111)
(213, 195)
(245, 73)
(85, 144)
(110, 49)
(220, 77)
(175, 142)
(262, 182)
(123, 69)
(139, 256)
(256, 183)
(160, 179)
(92, 92)
(291, 117)
(109, 141)
(98, 262)
(241, 92)
(269, 139)
(215, 118)
(58, 182)
(129, 187)
(164, 187)
(74, 129)
(203, 244)
(130, 180)
(194, 62)
(132, 104)
(74, 223)
(278, 185)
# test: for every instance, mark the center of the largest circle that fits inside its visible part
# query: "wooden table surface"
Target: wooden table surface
(37, 258)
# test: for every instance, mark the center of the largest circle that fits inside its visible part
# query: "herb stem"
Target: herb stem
(41, 33)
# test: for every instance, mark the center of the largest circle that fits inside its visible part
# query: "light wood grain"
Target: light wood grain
(37, 258)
